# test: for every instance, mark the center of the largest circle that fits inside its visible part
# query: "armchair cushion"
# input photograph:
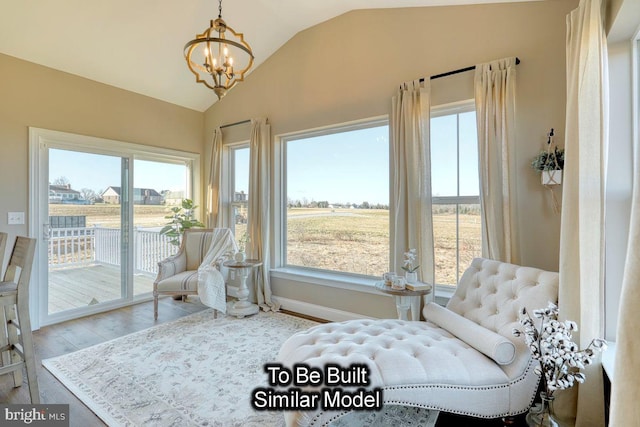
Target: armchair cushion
(186, 281)
(172, 266)
(487, 342)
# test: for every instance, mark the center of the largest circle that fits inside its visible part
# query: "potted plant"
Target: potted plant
(550, 163)
(181, 219)
(560, 360)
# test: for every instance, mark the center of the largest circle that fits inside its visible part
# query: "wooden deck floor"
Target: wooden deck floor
(79, 286)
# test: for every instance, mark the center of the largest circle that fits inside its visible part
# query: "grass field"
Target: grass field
(357, 241)
(348, 240)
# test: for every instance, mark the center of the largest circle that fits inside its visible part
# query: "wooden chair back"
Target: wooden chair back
(16, 343)
(20, 265)
(3, 245)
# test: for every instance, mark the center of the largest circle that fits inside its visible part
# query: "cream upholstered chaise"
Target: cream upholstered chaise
(463, 359)
(178, 275)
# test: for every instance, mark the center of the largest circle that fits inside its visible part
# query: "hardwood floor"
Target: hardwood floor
(74, 335)
(67, 337)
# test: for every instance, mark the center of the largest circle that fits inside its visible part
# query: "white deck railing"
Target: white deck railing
(87, 245)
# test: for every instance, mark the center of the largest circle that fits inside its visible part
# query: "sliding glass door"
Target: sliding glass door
(87, 220)
(97, 208)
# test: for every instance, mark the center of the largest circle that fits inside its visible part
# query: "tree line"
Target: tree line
(324, 204)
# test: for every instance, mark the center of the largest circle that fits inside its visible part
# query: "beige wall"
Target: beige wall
(33, 95)
(349, 67)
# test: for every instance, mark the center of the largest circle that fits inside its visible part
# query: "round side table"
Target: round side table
(405, 300)
(242, 307)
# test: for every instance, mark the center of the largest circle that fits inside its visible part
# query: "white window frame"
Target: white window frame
(338, 279)
(635, 87)
(447, 110)
(42, 139)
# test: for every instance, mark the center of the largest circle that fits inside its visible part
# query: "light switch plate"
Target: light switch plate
(15, 218)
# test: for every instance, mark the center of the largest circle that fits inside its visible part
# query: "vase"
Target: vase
(240, 256)
(412, 277)
(541, 415)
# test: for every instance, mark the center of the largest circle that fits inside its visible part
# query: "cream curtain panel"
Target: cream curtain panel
(214, 202)
(411, 217)
(259, 208)
(581, 296)
(495, 98)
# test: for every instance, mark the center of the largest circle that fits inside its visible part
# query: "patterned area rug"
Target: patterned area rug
(195, 371)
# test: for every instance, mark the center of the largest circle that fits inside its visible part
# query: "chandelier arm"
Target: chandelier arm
(219, 40)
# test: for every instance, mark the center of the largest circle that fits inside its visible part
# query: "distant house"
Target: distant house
(141, 196)
(173, 198)
(240, 196)
(65, 194)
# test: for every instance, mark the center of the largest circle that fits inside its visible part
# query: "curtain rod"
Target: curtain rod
(236, 123)
(461, 70)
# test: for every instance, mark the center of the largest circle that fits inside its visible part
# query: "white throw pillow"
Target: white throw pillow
(487, 342)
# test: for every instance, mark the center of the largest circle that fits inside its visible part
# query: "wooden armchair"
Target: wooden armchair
(178, 275)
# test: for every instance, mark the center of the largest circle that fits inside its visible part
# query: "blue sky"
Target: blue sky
(97, 171)
(353, 167)
(347, 167)
(443, 155)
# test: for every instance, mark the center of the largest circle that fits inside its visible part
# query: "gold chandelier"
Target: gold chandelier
(219, 57)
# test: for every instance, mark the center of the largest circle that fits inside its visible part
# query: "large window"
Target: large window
(337, 199)
(455, 191)
(239, 189)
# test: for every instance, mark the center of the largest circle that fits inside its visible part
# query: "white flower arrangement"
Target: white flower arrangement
(560, 359)
(243, 242)
(409, 260)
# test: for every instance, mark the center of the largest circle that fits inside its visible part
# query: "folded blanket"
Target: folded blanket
(211, 286)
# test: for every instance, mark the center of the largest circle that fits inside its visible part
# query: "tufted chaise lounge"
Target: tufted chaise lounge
(488, 374)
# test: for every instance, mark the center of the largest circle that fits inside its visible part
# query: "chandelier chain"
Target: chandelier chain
(220, 9)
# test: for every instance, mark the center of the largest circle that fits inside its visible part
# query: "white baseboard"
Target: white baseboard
(318, 311)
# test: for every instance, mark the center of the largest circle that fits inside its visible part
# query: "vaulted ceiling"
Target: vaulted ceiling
(137, 45)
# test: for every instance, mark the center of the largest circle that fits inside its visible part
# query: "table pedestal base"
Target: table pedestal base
(241, 309)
